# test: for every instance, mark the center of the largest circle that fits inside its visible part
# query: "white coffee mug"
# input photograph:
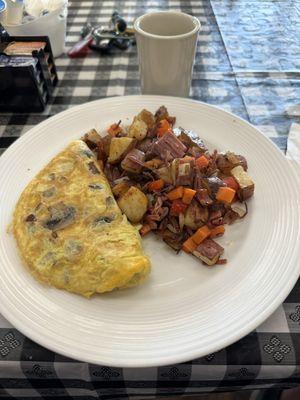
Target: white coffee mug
(166, 42)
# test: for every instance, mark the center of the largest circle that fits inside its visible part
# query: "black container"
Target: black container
(28, 87)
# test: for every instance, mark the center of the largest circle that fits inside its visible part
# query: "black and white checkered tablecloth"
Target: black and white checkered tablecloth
(248, 62)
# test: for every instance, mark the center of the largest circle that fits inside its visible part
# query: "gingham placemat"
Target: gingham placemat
(247, 61)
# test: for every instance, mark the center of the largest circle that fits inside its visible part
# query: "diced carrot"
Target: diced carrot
(156, 185)
(176, 193)
(202, 162)
(145, 229)
(231, 182)
(177, 207)
(189, 245)
(188, 195)
(217, 231)
(163, 127)
(201, 234)
(114, 129)
(225, 194)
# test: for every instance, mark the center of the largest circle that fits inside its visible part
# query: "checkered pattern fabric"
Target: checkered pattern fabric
(247, 62)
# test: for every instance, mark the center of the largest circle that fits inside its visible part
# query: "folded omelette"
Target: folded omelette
(70, 231)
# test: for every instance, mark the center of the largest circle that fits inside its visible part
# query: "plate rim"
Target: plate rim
(170, 359)
(187, 100)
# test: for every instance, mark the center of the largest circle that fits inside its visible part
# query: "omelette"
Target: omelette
(70, 231)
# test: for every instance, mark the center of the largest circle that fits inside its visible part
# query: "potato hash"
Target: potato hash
(166, 179)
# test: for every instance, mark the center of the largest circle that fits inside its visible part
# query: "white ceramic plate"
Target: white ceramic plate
(185, 310)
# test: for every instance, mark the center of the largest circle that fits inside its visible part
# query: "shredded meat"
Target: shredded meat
(221, 261)
(145, 145)
(190, 139)
(174, 240)
(195, 152)
(212, 166)
(203, 198)
(161, 113)
(230, 217)
(243, 162)
(111, 172)
(133, 161)
(158, 212)
(169, 147)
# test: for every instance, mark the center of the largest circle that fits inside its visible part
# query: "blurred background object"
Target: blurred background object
(2, 10)
(117, 37)
(38, 18)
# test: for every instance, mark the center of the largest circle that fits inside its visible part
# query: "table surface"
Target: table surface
(247, 62)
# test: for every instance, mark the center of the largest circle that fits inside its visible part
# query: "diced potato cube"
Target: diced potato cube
(147, 117)
(120, 188)
(138, 129)
(118, 148)
(91, 138)
(246, 184)
(134, 204)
